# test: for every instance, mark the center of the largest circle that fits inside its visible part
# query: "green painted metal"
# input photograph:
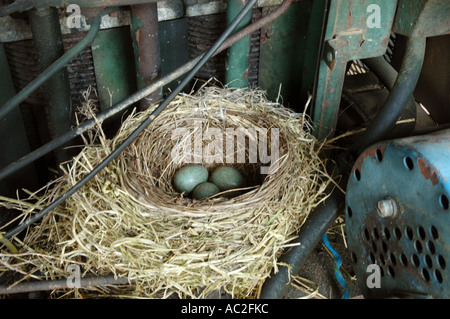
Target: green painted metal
(422, 18)
(14, 142)
(237, 60)
(174, 48)
(114, 68)
(355, 30)
(314, 38)
(282, 52)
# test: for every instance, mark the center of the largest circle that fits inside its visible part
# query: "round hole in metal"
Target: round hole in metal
(393, 259)
(403, 259)
(421, 232)
(438, 276)
(357, 174)
(387, 233)
(428, 261)
(375, 234)
(434, 232)
(374, 246)
(425, 274)
(418, 246)
(408, 162)
(382, 260)
(372, 258)
(397, 233)
(366, 234)
(409, 233)
(415, 260)
(443, 200)
(349, 212)
(379, 155)
(391, 271)
(431, 247)
(384, 246)
(441, 261)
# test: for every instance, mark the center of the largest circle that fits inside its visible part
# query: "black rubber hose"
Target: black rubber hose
(401, 92)
(309, 236)
(140, 128)
(386, 73)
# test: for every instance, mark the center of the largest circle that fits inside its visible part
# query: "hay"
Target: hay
(129, 221)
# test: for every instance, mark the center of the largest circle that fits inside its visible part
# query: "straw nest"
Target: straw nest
(129, 220)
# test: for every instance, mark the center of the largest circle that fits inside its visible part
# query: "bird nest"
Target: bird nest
(129, 221)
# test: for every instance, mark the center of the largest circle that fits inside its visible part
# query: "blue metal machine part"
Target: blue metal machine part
(397, 216)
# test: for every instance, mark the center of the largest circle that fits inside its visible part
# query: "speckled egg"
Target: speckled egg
(227, 177)
(205, 190)
(188, 177)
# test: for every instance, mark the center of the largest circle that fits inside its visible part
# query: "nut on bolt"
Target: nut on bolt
(387, 208)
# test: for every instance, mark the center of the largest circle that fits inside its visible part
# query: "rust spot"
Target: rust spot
(349, 19)
(245, 74)
(265, 36)
(372, 152)
(428, 170)
(113, 14)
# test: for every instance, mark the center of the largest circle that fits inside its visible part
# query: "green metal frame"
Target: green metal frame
(237, 61)
(347, 37)
(113, 58)
(282, 53)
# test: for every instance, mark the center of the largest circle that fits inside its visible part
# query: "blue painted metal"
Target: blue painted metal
(412, 248)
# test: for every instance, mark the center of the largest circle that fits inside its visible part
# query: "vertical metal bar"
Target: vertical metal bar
(236, 74)
(14, 143)
(144, 29)
(47, 39)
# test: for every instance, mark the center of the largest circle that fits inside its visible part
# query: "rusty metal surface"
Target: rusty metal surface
(144, 28)
(412, 248)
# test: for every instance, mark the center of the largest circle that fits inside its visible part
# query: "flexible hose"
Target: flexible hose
(401, 92)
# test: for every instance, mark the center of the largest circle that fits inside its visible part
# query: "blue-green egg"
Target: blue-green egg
(188, 177)
(227, 177)
(205, 190)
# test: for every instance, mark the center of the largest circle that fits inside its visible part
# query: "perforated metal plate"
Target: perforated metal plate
(412, 247)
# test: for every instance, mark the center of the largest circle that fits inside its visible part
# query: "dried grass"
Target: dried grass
(129, 221)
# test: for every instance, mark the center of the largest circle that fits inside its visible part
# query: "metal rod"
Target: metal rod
(49, 285)
(47, 40)
(89, 124)
(144, 31)
(403, 88)
(56, 66)
(308, 237)
(236, 74)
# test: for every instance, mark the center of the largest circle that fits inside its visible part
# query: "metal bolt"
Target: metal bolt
(387, 208)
